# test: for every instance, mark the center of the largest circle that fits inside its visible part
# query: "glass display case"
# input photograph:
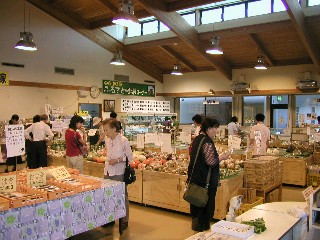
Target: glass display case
(134, 123)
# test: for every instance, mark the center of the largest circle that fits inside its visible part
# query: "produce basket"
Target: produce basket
(77, 183)
(24, 196)
(313, 179)
(54, 192)
(247, 206)
(4, 204)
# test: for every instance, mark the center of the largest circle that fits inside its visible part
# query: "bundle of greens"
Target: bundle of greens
(258, 224)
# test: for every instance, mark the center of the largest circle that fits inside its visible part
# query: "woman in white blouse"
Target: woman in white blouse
(118, 149)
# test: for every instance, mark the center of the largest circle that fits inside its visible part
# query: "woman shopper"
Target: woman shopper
(118, 149)
(198, 170)
(73, 140)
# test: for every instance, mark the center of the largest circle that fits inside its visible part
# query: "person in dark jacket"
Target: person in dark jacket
(198, 170)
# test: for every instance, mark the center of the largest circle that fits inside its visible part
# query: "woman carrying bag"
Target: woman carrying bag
(118, 151)
(203, 171)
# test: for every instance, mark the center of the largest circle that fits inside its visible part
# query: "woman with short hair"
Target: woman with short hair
(198, 169)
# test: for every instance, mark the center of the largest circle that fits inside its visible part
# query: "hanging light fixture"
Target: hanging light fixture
(26, 38)
(176, 69)
(215, 47)
(260, 64)
(125, 17)
(117, 59)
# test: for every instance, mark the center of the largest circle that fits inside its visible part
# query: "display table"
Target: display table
(65, 217)
(280, 225)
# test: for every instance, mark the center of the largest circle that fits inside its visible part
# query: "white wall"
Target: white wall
(271, 79)
(58, 45)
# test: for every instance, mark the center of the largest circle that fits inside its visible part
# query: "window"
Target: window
(190, 107)
(251, 107)
(211, 16)
(190, 18)
(150, 27)
(259, 8)
(313, 2)
(278, 6)
(307, 108)
(134, 30)
(163, 27)
(222, 111)
(234, 12)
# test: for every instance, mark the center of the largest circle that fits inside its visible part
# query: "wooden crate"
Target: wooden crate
(272, 196)
(135, 189)
(294, 171)
(81, 184)
(4, 204)
(93, 168)
(247, 206)
(30, 196)
(58, 193)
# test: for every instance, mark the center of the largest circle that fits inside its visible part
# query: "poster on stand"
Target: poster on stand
(36, 177)
(149, 138)
(15, 141)
(234, 142)
(8, 183)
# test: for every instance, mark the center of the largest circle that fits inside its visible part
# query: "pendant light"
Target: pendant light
(260, 64)
(177, 69)
(125, 17)
(26, 38)
(215, 45)
(117, 59)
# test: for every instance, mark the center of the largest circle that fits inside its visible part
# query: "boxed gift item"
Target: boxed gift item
(233, 229)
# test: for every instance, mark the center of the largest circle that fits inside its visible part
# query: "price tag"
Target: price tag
(36, 177)
(8, 183)
(234, 142)
(306, 194)
(60, 173)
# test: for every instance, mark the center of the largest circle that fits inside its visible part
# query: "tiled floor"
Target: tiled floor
(149, 223)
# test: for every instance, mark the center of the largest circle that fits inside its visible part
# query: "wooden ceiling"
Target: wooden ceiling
(289, 42)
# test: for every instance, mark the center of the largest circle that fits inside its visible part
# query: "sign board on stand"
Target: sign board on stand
(60, 173)
(36, 177)
(15, 141)
(166, 143)
(8, 183)
(234, 142)
(140, 141)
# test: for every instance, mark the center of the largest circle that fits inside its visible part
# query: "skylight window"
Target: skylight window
(259, 8)
(211, 16)
(234, 12)
(313, 2)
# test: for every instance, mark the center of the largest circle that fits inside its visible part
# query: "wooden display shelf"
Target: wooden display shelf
(294, 170)
(263, 192)
(135, 189)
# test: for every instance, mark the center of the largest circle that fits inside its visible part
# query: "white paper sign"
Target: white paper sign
(15, 140)
(234, 142)
(36, 177)
(57, 126)
(8, 183)
(60, 173)
(144, 106)
(149, 138)
(140, 140)
(57, 110)
(185, 137)
(158, 138)
(166, 143)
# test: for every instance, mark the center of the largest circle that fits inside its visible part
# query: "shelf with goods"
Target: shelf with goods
(314, 221)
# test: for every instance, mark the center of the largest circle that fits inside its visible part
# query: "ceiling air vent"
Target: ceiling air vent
(122, 78)
(67, 71)
(13, 65)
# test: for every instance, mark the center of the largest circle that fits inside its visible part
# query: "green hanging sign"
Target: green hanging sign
(126, 88)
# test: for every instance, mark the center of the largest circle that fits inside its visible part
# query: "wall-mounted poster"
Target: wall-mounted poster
(127, 88)
(4, 78)
(109, 105)
(144, 106)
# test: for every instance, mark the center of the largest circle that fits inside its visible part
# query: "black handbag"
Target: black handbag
(129, 174)
(195, 194)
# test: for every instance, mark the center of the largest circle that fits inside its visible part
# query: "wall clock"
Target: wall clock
(94, 91)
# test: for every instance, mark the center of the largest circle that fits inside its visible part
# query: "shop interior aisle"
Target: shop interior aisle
(149, 223)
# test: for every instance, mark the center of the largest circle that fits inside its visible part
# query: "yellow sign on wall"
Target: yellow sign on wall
(4, 78)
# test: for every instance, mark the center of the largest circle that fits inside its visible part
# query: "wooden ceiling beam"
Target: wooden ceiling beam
(99, 37)
(176, 55)
(261, 49)
(108, 21)
(186, 33)
(298, 19)
(179, 5)
(153, 43)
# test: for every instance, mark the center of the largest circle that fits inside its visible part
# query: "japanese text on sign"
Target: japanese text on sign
(60, 173)
(8, 183)
(36, 177)
(15, 140)
(144, 106)
(126, 88)
(4, 78)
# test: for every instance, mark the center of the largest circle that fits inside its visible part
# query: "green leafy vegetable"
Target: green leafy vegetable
(258, 224)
